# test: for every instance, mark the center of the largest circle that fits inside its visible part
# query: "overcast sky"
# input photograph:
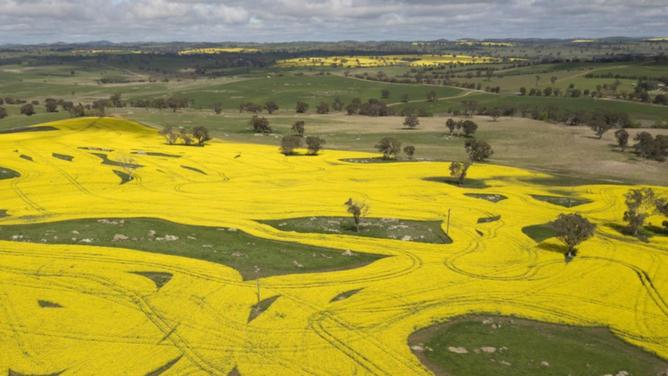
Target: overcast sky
(36, 21)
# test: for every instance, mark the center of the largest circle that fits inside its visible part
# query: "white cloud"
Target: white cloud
(30, 21)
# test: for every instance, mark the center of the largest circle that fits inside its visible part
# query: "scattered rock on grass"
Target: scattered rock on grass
(119, 237)
(458, 350)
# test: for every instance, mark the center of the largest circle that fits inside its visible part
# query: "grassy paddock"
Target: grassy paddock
(493, 345)
(389, 228)
(227, 246)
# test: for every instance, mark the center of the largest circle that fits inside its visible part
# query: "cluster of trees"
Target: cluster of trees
(197, 136)
(12, 100)
(642, 203)
(647, 146)
(391, 148)
(294, 141)
(173, 102)
(291, 142)
(477, 151)
(269, 106)
(466, 128)
(550, 113)
(373, 107)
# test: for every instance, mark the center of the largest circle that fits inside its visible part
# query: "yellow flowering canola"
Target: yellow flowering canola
(216, 50)
(116, 322)
(386, 60)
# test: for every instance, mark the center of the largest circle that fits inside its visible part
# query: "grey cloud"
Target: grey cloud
(35, 21)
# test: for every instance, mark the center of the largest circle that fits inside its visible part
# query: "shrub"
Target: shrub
(411, 121)
(314, 144)
(409, 150)
(27, 109)
(301, 107)
(289, 144)
(271, 106)
(322, 108)
(260, 124)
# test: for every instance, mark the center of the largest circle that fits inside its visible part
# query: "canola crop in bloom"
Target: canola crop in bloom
(216, 50)
(384, 61)
(81, 309)
(485, 43)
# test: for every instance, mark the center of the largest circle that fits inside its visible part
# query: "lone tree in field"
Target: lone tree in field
(358, 210)
(431, 96)
(314, 144)
(450, 123)
(411, 121)
(639, 205)
(3, 113)
(289, 144)
(572, 229)
(478, 151)
(322, 108)
(27, 109)
(469, 128)
(217, 108)
(201, 134)
(271, 106)
(404, 98)
(298, 128)
(385, 94)
(301, 107)
(260, 124)
(389, 146)
(409, 150)
(458, 170)
(622, 137)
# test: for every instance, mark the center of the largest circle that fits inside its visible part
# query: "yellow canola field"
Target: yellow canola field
(385, 61)
(116, 322)
(216, 50)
